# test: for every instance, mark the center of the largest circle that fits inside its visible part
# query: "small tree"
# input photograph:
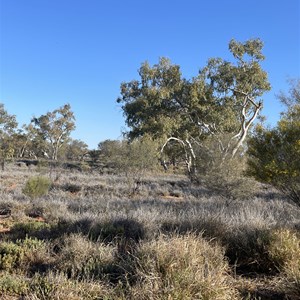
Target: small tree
(275, 153)
(55, 127)
(8, 124)
(132, 159)
(76, 149)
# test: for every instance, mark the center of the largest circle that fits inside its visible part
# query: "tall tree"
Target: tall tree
(222, 100)
(55, 127)
(8, 125)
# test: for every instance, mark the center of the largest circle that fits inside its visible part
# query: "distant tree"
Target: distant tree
(109, 148)
(224, 99)
(131, 159)
(275, 153)
(76, 149)
(55, 127)
(23, 141)
(8, 125)
(94, 155)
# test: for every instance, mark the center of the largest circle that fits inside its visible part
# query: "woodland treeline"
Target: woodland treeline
(210, 126)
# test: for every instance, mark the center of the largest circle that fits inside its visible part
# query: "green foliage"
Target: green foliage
(229, 180)
(75, 150)
(132, 159)
(43, 287)
(28, 228)
(222, 99)
(55, 127)
(8, 124)
(13, 285)
(275, 153)
(225, 177)
(19, 254)
(37, 186)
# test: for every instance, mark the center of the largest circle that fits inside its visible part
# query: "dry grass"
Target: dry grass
(285, 252)
(98, 242)
(181, 267)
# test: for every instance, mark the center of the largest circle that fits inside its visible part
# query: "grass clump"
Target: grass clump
(285, 252)
(181, 267)
(80, 258)
(57, 286)
(37, 186)
(247, 249)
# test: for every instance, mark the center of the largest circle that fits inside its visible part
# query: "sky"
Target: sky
(54, 52)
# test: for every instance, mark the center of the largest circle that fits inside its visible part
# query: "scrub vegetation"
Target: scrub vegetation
(200, 200)
(91, 238)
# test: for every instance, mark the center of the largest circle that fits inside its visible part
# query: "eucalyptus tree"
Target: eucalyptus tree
(55, 128)
(8, 125)
(76, 150)
(223, 100)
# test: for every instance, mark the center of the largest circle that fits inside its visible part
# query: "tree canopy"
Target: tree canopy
(224, 98)
(8, 125)
(55, 127)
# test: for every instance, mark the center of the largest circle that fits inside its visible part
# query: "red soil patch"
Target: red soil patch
(11, 187)
(39, 219)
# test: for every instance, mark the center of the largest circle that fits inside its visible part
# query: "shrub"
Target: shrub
(181, 268)
(37, 186)
(274, 153)
(133, 159)
(22, 229)
(229, 180)
(12, 285)
(72, 188)
(21, 254)
(117, 229)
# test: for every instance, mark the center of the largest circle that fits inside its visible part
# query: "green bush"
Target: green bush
(37, 186)
(275, 153)
(227, 177)
(21, 254)
(12, 285)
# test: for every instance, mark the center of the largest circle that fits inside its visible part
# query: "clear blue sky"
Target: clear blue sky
(54, 52)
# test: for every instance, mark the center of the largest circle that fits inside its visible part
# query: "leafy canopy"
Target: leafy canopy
(222, 99)
(55, 127)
